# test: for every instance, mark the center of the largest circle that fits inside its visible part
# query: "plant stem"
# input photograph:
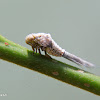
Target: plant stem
(19, 55)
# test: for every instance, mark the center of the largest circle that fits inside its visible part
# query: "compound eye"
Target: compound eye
(29, 43)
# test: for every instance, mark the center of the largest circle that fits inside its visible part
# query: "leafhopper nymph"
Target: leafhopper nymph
(44, 42)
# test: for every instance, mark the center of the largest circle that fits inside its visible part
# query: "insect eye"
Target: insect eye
(29, 43)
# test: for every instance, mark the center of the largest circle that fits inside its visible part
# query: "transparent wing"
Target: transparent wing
(77, 60)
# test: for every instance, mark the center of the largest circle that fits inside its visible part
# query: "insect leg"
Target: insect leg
(47, 54)
(36, 50)
(33, 49)
(39, 51)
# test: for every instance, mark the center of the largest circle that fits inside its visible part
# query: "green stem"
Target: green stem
(17, 54)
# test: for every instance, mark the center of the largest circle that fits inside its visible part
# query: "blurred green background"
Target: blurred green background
(73, 24)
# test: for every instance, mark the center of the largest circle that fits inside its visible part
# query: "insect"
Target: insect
(44, 42)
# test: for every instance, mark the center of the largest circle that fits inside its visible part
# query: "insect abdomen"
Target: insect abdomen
(55, 50)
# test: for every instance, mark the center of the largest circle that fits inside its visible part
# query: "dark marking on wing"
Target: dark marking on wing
(50, 44)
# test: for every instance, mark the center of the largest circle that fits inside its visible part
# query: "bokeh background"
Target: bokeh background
(73, 24)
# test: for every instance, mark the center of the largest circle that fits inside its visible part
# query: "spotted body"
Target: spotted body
(44, 42)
